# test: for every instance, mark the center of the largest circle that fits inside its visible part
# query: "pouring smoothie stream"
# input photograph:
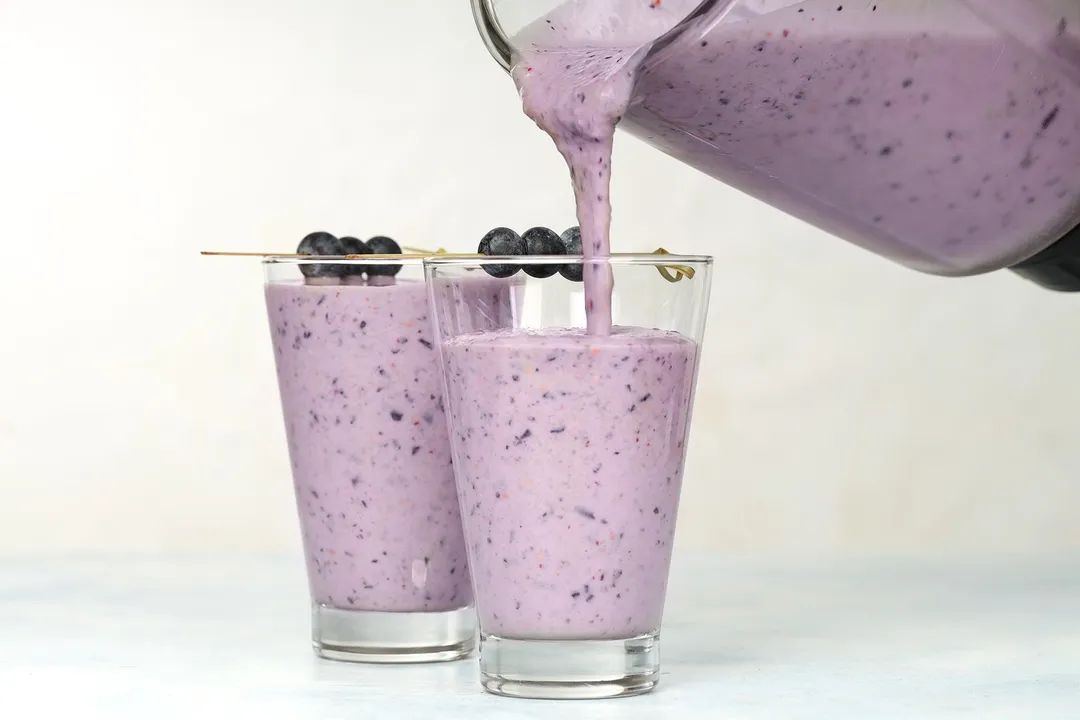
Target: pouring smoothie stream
(578, 96)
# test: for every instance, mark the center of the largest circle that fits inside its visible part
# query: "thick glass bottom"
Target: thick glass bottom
(395, 638)
(569, 669)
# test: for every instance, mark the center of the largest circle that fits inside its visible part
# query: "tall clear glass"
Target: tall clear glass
(366, 428)
(569, 451)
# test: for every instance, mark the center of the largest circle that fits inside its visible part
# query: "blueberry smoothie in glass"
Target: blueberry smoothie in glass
(366, 428)
(569, 448)
(571, 456)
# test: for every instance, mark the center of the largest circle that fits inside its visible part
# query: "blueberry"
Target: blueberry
(381, 245)
(502, 241)
(571, 239)
(320, 243)
(542, 241)
(353, 246)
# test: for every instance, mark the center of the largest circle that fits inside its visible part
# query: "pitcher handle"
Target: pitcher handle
(494, 40)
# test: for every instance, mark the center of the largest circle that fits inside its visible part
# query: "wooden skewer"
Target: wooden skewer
(405, 256)
(418, 254)
(249, 254)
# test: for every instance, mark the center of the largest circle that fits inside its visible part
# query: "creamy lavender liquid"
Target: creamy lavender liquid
(569, 453)
(578, 94)
(582, 124)
(583, 130)
(923, 135)
(367, 433)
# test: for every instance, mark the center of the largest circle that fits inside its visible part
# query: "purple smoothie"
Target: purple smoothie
(569, 451)
(366, 427)
(924, 136)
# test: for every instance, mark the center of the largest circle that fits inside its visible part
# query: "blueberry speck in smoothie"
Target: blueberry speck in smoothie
(1049, 119)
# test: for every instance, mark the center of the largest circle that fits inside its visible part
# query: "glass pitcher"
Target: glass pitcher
(942, 134)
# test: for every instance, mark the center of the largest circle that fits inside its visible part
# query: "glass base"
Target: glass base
(388, 637)
(569, 669)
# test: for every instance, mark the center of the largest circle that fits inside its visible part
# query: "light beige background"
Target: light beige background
(845, 404)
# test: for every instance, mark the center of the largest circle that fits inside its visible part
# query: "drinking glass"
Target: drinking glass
(366, 429)
(569, 451)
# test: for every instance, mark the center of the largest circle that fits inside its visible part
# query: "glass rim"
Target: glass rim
(342, 260)
(641, 259)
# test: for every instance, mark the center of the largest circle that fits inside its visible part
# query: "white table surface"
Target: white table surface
(743, 639)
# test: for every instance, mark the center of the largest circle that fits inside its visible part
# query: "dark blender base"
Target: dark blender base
(1057, 267)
